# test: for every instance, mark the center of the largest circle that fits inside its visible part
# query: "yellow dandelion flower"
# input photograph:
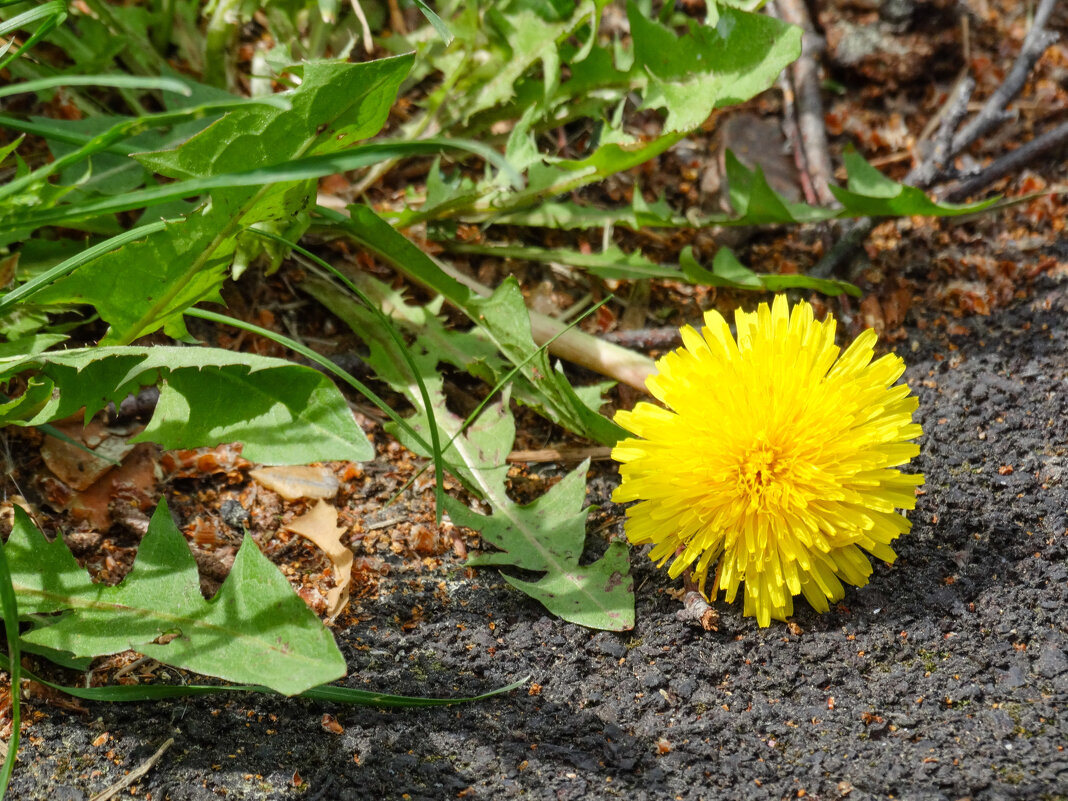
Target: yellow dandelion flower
(774, 459)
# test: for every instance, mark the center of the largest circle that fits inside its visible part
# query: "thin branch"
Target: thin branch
(645, 338)
(993, 112)
(842, 251)
(793, 138)
(931, 168)
(134, 774)
(806, 80)
(1048, 142)
(594, 453)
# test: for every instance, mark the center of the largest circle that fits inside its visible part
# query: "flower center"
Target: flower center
(763, 474)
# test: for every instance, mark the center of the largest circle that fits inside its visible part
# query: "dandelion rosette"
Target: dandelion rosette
(774, 459)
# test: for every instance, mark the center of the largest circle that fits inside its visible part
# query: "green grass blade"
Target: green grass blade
(43, 11)
(296, 170)
(436, 21)
(505, 380)
(53, 13)
(109, 140)
(114, 81)
(9, 605)
(343, 695)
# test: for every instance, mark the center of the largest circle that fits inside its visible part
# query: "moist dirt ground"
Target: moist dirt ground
(945, 678)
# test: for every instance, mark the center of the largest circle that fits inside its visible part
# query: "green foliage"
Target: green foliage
(613, 263)
(168, 187)
(9, 609)
(255, 630)
(546, 536)
(283, 412)
(709, 66)
(491, 73)
(754, 202)
(504, 321)
(335, 105)
(127, 693)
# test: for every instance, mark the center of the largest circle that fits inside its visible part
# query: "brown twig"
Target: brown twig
(927, 171)
(806, 80)
(1048, 142)
(645, 338)
(596, 453)
(793, 139)
(695, 607)
(932, 169)
(134, 774)
(993, 112)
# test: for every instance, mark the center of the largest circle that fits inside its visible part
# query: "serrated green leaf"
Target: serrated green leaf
(598, 595)
(505, 319)
(710, 66)
(613, 263)
(569, 215)
(284, 413)
(545, 537)
(255, 630)
(869, 193)
(337, 105)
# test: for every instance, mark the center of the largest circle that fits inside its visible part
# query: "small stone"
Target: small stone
(1051, 661)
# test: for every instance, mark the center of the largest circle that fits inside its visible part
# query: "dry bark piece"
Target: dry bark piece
(195, 462)
(298, 481)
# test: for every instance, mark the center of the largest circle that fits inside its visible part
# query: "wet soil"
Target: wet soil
(945, 678)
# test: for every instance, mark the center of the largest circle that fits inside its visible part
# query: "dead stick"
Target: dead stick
(1012, 162)
(806, 79)
(560, 455)
(645, 338)
(793, 138)
(134, 774)
(932, 168)
(993, 111)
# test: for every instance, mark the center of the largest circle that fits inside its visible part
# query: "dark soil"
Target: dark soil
(945, 678)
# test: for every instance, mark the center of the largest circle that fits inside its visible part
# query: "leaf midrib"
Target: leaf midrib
(76, 603)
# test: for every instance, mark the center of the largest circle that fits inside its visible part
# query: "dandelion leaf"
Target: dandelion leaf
(710, 66)
(256, 630)
(283, 413)
(546, 536)
(505, 319)
(869, 193)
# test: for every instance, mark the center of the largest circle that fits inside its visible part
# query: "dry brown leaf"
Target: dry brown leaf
(133, 483)
(72, 465)
(320, 526)
(298, 481)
